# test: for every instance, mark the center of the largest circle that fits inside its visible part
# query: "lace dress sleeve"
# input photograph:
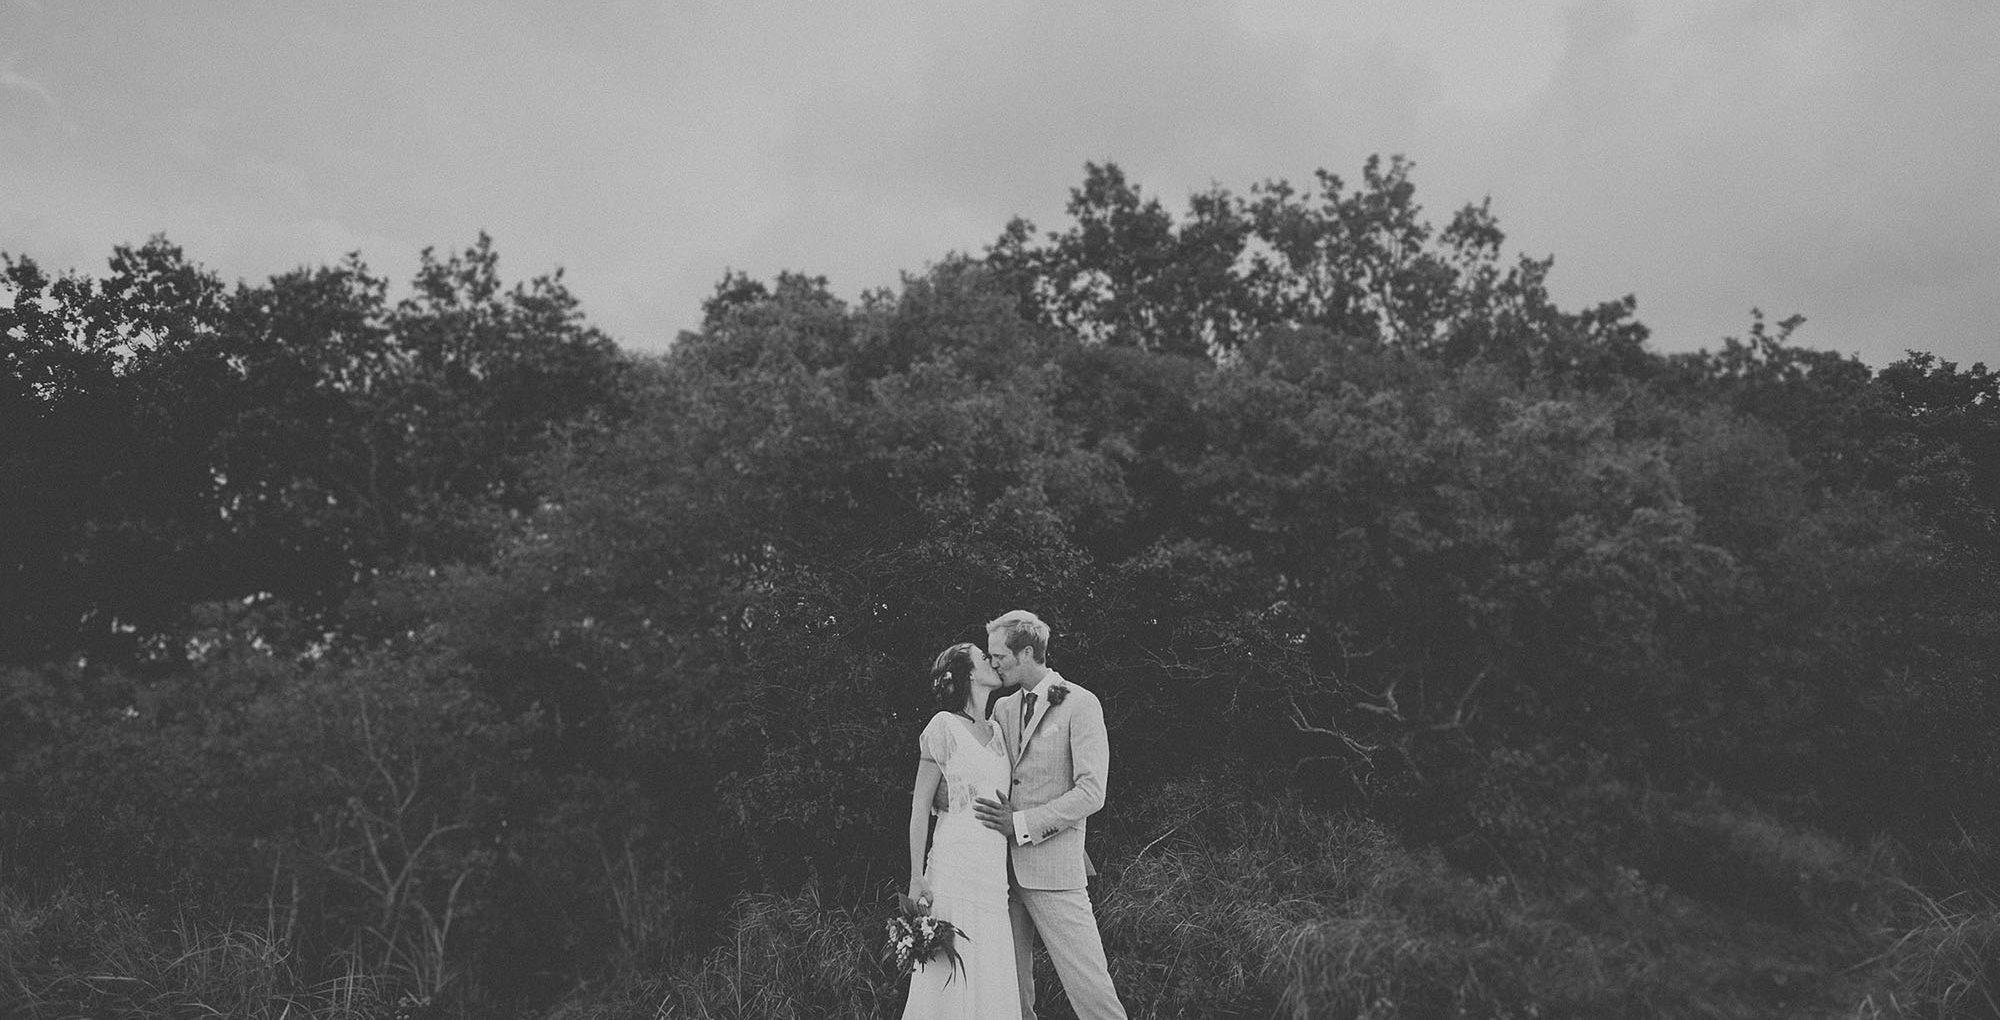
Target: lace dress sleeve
(939, 744)
(935, 743)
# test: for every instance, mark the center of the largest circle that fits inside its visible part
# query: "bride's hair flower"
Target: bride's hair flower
(951, 676)
(916, 938)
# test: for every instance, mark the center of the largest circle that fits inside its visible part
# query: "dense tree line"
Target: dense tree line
(488, 657)
(173, 441)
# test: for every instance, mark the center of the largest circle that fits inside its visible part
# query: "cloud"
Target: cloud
(1712, 157)
(1827, 157)
(1805, 157)
(12, 80)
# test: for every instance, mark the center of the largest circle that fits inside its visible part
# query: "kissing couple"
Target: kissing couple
(1012, 781)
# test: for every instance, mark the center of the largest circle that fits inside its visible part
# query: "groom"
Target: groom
(1054, 731)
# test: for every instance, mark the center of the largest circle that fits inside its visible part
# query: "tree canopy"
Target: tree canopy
(176, 441)
(1363, 541)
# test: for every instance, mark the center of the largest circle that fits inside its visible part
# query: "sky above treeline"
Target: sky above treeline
(1830, 158)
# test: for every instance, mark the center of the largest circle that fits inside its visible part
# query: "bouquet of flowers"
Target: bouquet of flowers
(916, 938)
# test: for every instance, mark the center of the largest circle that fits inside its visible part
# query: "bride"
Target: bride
(965, 880)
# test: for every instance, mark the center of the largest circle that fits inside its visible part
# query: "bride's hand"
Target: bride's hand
(920, 891)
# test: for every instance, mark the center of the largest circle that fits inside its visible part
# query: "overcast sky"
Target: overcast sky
(1837, 159)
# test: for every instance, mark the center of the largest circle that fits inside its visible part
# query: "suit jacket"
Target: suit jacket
(1061, 759)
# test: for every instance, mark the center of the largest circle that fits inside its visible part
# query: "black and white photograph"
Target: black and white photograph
(695, 510)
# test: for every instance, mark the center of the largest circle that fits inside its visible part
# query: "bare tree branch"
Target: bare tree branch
(1462, 713)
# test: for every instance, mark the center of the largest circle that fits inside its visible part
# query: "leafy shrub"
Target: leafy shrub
(1532, 813)
(1738, 857)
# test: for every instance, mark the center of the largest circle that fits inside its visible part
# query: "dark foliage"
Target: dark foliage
(173, 442)
(1447, 638)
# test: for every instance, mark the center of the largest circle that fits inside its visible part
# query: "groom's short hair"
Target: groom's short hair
(1023, 629)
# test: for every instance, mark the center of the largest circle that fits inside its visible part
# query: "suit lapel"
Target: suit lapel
(1042, 707)
(1007, 711)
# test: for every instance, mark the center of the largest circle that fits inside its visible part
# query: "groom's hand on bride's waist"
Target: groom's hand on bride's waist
(995, 814)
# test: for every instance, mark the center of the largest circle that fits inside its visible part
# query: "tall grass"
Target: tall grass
(1309, 915)
(1945, 959)
(1276, 909)
(1241, 908)
(76, 955)
(786, 956)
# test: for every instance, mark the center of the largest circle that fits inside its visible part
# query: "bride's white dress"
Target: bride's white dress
(967, 869)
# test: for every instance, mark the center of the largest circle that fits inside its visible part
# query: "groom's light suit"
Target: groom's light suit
(1061, 755)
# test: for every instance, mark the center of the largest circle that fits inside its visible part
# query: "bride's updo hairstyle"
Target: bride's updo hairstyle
(951, 676)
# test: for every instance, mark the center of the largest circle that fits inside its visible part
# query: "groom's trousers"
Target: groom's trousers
(1068, 928)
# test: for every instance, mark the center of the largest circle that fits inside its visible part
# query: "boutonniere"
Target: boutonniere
(1057, 693)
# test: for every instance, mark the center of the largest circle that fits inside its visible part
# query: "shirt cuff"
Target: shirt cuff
(1021, 828)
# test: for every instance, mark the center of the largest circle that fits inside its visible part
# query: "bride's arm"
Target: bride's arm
(928, 776)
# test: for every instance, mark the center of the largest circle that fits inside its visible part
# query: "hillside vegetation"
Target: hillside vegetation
(1462, 655)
